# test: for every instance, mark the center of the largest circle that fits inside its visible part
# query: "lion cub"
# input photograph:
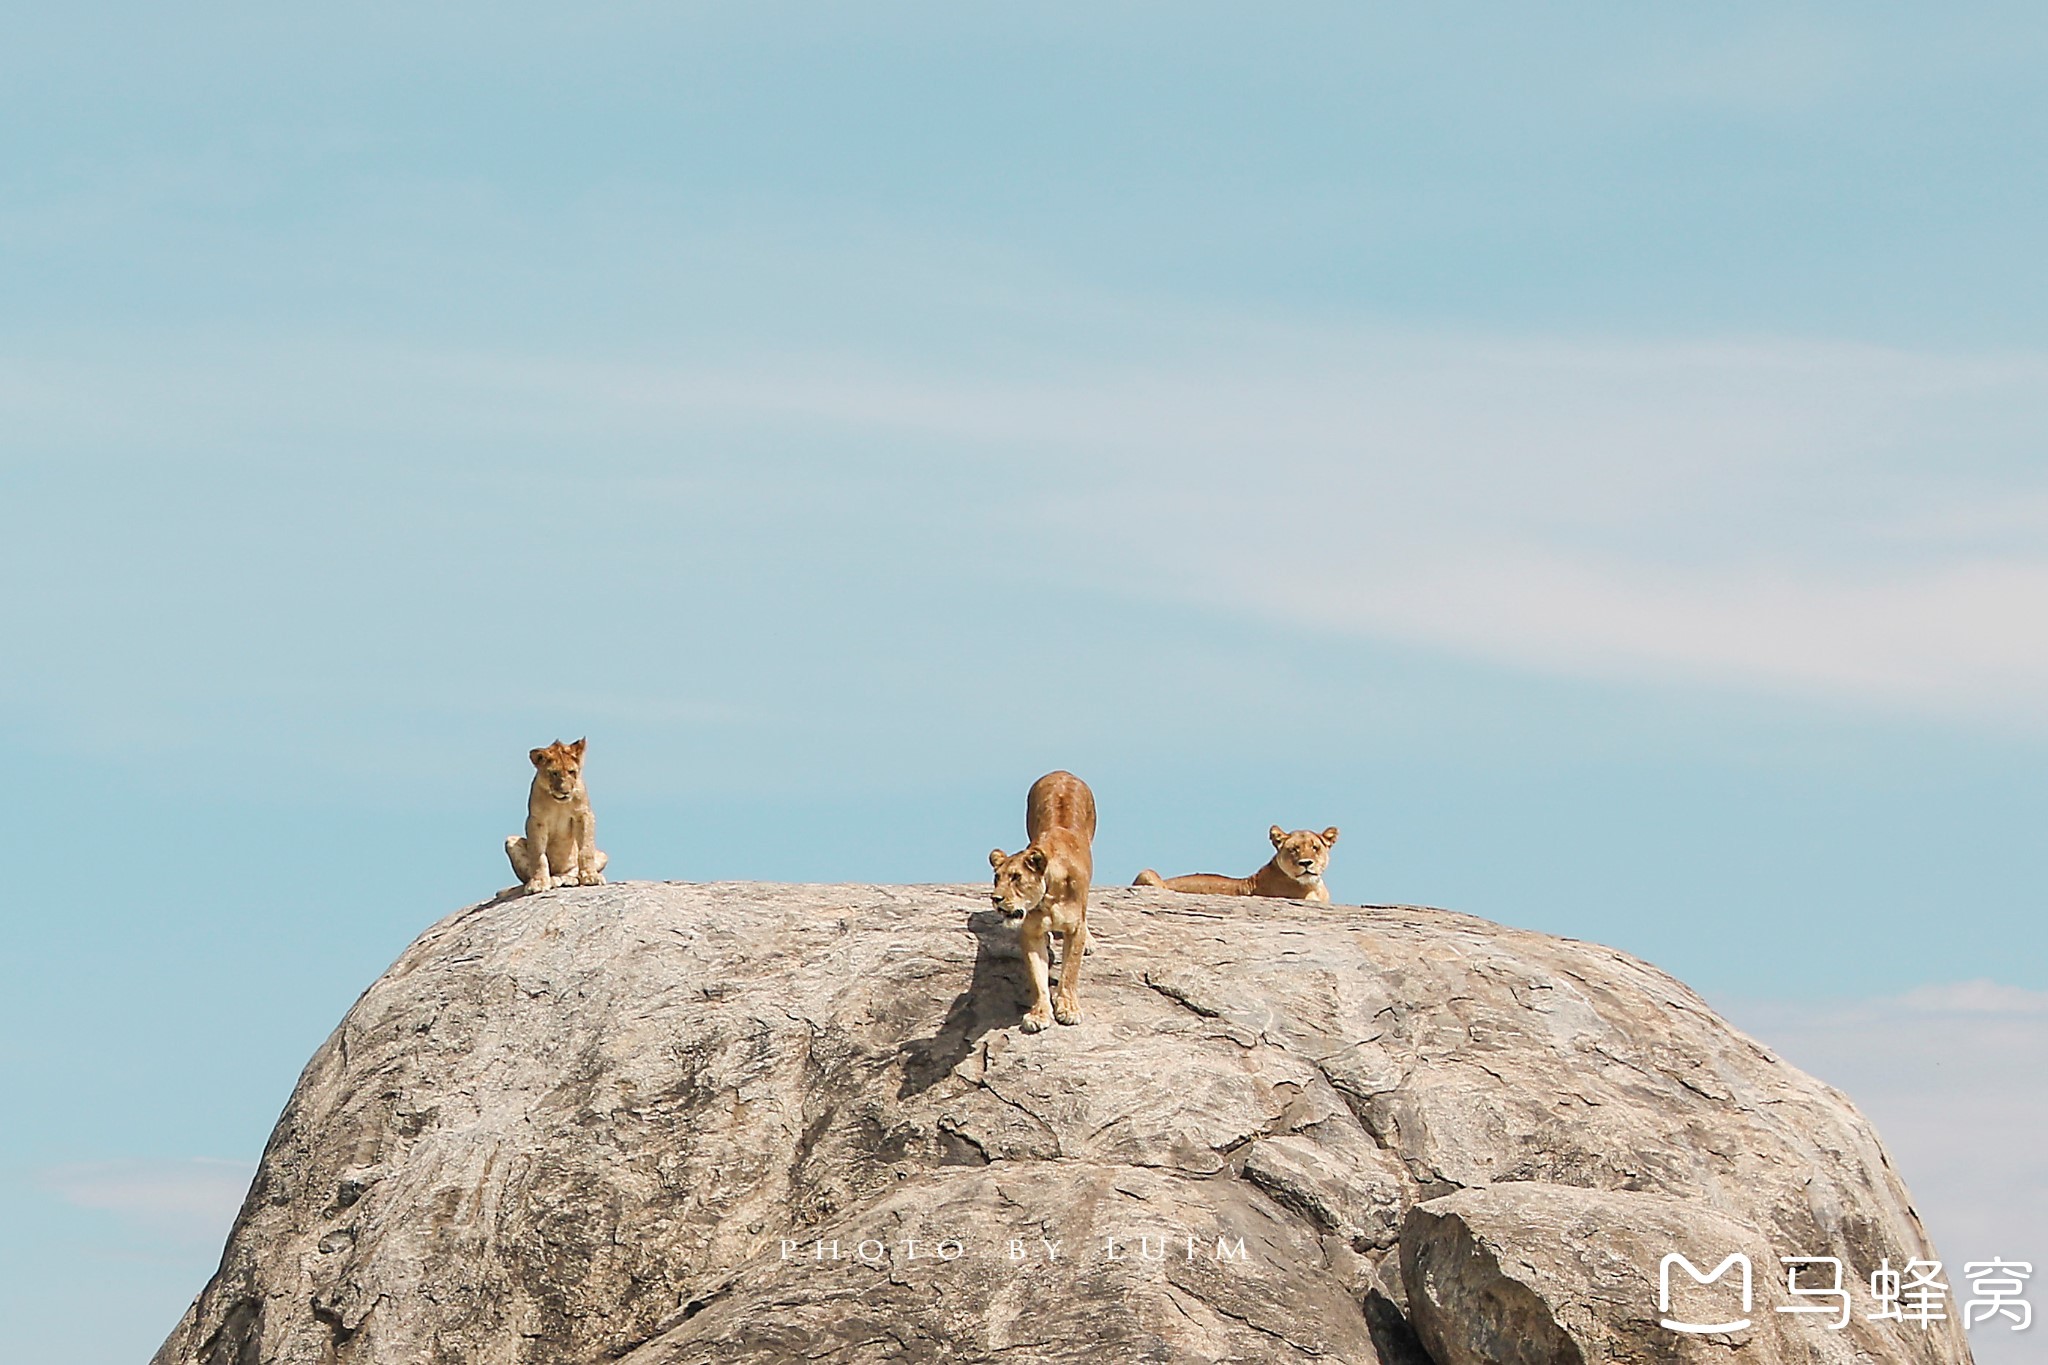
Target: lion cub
(1043, 889)
(1295, 871)
(559, 847)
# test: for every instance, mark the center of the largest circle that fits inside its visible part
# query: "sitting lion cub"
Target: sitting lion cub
(1295, 871)
(1043, 889)
(560, 844)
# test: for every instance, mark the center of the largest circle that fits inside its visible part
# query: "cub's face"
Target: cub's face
(1303, 854)
(1020, 881)
(560, 768)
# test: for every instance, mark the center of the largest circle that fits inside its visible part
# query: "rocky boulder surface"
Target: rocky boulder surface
(668, 1123)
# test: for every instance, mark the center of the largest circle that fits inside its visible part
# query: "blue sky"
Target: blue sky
(1594, 457)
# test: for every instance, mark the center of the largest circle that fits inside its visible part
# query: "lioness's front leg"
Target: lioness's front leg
(589, 861)
(1036, 944)
(537, 879)
(1066, 1002)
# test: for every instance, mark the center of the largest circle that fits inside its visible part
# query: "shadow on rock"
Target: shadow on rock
(1391, 1334)
(996, 997)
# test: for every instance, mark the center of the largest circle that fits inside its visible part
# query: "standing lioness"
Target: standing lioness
(1043, 889)
(560, 844)
(1295, 871)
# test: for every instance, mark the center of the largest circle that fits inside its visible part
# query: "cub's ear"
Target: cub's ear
(537, 755)
(996, 856)
(576, 748)
(1034, 859)
(1330, 835)
(1276, 834)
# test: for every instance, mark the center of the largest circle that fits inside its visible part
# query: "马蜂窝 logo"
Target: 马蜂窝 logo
(1915, 1295)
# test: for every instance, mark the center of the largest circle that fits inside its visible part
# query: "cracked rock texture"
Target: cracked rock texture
(665, 1123)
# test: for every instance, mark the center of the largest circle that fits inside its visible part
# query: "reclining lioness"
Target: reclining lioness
(1294, 872)
(559, 847)
(1043, 889)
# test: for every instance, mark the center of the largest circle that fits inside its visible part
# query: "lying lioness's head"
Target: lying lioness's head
(1020, 881)
(1303, 854)
(561, 768)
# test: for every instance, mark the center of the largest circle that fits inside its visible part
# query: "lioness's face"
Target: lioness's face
(1303, 854)
(560, 767)
(1020, 881)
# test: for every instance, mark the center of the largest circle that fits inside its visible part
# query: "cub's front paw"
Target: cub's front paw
(538, 885)
(591, 879)
(1036, 1020)
(1066, 1009)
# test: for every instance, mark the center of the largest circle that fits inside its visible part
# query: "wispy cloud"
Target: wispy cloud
(1982, 996)
(1846, 523)
(1840, 522)
(1772, 65)
(191, 1199)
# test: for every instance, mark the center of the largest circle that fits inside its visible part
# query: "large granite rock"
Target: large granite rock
(676, 1123)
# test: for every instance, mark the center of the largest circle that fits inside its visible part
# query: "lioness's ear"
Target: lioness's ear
(537, 755)
(576, 748)
(1330, 835)
(996, 856)
(1276, 834)
(1034, 859)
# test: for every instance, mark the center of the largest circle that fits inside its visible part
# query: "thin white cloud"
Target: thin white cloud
(1774, 65)
(1803, 517)
(1812, 520)
(195, 1197)
(1953, 636)
(1840, 522)
(1982, 996)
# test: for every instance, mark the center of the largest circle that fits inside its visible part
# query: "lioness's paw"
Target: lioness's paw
(1066, 1010)
(1036, 1020)
(592, 879)
(536, 886)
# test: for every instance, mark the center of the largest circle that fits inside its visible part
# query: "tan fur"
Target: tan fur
(1043, 889)
(1295, 871)
(559, 847)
